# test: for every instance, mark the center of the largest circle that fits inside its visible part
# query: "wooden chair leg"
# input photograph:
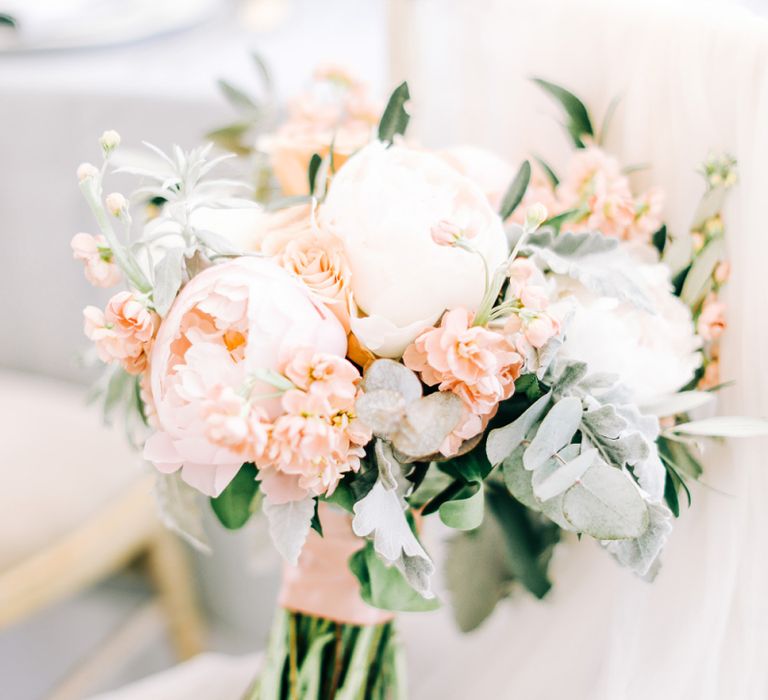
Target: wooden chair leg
(169, 569)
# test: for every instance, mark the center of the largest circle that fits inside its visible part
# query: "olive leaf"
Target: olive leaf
(578, 123)
(516, 191)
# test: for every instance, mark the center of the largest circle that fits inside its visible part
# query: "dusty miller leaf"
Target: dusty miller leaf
(640, 554)
(168, 276)
(289, 525)
(179, 510)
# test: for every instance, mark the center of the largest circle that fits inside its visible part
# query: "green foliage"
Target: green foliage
(554, 180)
(659, 239)
(233, 507)
(314, 165)
(395, 119)
(465, 510)
(516, 191)
(578, 122)
(385, 586)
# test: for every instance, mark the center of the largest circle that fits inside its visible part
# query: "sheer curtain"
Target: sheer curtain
(691, 77)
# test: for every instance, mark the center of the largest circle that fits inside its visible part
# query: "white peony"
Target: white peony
(653, 354)
(383, 204)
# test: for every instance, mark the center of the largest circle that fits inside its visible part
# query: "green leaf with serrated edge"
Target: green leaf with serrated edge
(516, 191)
(556, 430)
(501, 442)
(579, 123)
(383, 586)
(233, 506)
(606, 505)
(523, 545)
(395, 119)
(314, 165)
(659, 239)
(548, 171)
(465, 510)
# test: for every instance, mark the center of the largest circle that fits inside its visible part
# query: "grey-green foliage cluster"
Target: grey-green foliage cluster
(573, 455)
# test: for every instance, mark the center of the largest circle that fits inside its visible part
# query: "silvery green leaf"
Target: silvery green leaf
(697, 280)
(391, 472)
(289, 525)
(466, 510)
(606, 505)
(178, 506)
(605, 421)
(518, 479)
(640, 554)
(555, 432)
(553, 507)
(215, 242)
(571, 373)
(502, 442)
(594, 260)
(381, 410)
(427, 422)
(381, 515)
(673, 404)
(473, 597)
(168, 276)
(651, 475)
(393, 376)
(725, 426)
(565, 476)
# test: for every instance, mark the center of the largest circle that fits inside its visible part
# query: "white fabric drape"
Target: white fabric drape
(691, 78)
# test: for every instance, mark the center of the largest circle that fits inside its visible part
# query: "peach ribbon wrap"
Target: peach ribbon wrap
(322, 583)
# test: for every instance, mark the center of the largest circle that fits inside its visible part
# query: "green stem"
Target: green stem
(293, 661)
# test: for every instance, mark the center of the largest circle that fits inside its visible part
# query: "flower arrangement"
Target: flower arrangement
(397, 333)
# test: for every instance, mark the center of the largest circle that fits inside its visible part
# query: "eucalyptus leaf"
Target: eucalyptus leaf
(516, 191)
(476, 576)
(565, 476)
(555, 432)
(502, 442)
(606, 505)
(289, 525)
(518, 479)
(386, 374)
(427, 422)
(465, 511)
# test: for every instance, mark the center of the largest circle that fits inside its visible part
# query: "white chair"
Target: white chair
(76, 507)
(691, 76)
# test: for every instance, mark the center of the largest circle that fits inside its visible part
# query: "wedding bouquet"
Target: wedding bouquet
(397, 332)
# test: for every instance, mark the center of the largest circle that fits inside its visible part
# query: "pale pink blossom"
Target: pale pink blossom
(100, 269)
(722, 272)
(116, 203)
(229, 321)
(533, 329)
(327, 376)
(123, 331)
(86, 171)
(711, 377)
(711, 322)
(648, 212)
(477, 364)
(446, 233)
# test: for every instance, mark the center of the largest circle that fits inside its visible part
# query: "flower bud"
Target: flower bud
(109, 141)
(445, 233)
(535, 215)
(86, 170)
(116, 204)
(722, 272)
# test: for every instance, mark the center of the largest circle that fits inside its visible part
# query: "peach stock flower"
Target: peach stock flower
(235, 423)
(477, 364)
(324, 375)
(711, 322)
(123, 331)
(338, 110)
(100, 269)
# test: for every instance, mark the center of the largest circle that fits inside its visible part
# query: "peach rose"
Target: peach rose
(299, 245)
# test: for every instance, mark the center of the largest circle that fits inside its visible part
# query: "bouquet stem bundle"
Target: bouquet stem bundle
(314, 658)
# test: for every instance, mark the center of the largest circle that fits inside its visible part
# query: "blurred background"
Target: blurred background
(69, 69)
